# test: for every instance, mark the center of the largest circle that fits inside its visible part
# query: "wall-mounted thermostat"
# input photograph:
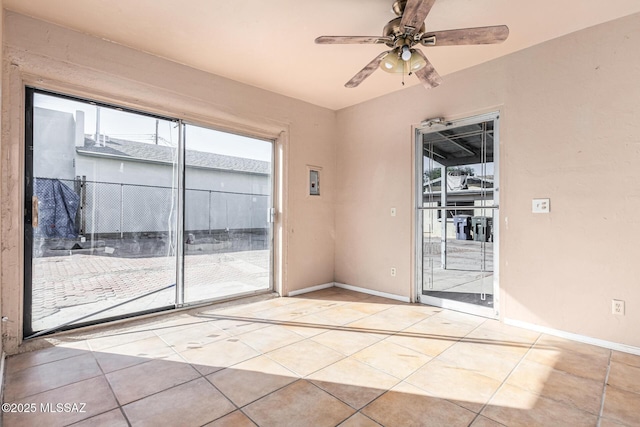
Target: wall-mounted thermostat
(314, 182)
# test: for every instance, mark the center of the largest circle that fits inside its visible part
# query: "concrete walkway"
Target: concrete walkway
(469, 267)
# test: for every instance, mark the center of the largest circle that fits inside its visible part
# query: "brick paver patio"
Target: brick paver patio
(69, 287)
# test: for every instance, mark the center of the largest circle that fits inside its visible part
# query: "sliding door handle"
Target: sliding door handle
(34, 212)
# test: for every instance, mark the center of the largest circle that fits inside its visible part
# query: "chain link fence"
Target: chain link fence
(112, 209)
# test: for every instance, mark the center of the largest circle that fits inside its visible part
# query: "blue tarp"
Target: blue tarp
(57, 208)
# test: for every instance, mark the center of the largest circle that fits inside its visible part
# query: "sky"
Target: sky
(137, 127)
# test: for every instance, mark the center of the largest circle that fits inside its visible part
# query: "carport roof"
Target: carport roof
(463, 145)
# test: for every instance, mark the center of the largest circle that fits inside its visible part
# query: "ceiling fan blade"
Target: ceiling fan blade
(415, 12)
(427, 74)
(353, 40)
(366, 71)
(466, 36)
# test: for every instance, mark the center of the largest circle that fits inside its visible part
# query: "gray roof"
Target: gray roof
(140, 151)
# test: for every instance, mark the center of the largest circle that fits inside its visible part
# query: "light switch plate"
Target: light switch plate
(540, 206)
(393, 211)
(314, 182)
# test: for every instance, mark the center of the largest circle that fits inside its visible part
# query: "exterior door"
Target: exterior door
(457, 211)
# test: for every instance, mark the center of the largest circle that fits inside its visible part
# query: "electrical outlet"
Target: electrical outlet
(617, 307)
(393, 272)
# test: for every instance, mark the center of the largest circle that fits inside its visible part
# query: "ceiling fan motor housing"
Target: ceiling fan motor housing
(392, 29)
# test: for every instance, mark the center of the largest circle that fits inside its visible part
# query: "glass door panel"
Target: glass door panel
(100, 225)
(228, 196)
(457, 209)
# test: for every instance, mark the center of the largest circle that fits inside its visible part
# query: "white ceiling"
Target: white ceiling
(270, 43)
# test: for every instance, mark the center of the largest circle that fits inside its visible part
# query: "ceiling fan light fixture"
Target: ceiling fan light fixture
(417, 62)
(392, 63)
(395, 64)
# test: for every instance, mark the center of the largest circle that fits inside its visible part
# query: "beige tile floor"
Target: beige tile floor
(328, 358)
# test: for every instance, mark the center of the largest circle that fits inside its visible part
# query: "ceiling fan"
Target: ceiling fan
(407, 30)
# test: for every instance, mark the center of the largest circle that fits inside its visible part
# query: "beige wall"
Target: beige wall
(569, 131)
(48, 56)
(1, 182)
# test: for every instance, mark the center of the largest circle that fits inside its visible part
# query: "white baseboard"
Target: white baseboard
(574, 337)
(348, 287)
(372, 292)
(310, 289)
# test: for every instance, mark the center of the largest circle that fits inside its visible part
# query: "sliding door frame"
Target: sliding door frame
(271, 216)
(179, 302)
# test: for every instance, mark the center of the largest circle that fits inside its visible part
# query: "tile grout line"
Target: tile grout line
(504, 382)
(273, 349)
(368, 417)
(99, 414)
(260, 353)
(203, 376)
(58, 387)
(237, 408)
(435, 357)
(121, 406)
(368, 346)
(604, 388)
(241, 408)
(115, 396)
(297, 378)
(276, 322)
(380, 370)
(402, 379)
(344, 357)
(268, 394)
(400, 345)
(337, 398)
(47, 362)
(555, 399)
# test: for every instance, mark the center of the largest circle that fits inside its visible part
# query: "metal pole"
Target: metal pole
(122, 211)
(209, 211)
(443, 202)
(83, 205)
(483, 192)
(180, 218)
(97, 125)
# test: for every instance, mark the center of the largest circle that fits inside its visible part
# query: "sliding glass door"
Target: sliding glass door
(458, 215)
(227, 222)
(129, 213)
